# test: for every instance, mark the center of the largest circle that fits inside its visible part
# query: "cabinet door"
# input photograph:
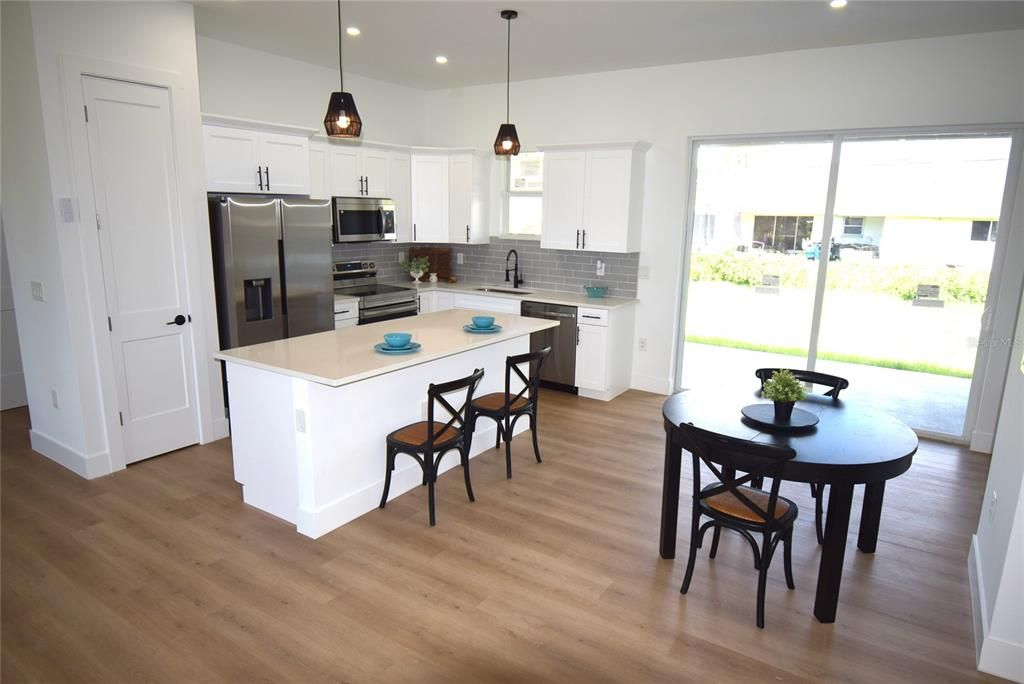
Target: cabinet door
(564, 186)
(285, 160)
(319, 174)
(430, 198)
(444, 301)
(606, 207)
(460, 197)
(373, 167)
(400, 182)
(231, 159)
(591, 358)
(426, 302)
(344, 165)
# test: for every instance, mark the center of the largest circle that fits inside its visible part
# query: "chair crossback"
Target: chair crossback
(834, 382)
(726, 456)
(531, 382)
(457, 416)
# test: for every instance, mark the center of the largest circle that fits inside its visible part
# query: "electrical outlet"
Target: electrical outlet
(600, 267)
(992, 506)
(300, 420)
(53, 399)
(37, 291)
(643, 272)
(401, 257)
(460, 258)
(643, 344)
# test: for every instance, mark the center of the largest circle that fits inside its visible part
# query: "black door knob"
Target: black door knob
(178, 320)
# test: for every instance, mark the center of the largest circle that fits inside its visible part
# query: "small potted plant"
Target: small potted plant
(416, 267)
(785, 390)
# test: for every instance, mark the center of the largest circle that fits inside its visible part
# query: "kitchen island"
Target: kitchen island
(309, 414)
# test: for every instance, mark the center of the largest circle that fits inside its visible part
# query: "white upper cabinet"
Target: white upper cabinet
(430, 197)
(344, 178)
(246, 160)
(358, 170)
(319, 173)
(467, 198)
(400, 180)
(373, 168)
(593, 197)
(564, 187)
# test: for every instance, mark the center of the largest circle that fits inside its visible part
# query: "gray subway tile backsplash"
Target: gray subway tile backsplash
(543, 269)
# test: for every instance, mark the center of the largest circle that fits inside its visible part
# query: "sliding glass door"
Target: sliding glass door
(889, 292)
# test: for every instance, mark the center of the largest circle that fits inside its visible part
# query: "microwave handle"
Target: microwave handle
(383, 222)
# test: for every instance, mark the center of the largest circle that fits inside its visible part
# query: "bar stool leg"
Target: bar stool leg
(508, 449)
(464, 453)
(387, 476)
(428, 461)
(533, 429)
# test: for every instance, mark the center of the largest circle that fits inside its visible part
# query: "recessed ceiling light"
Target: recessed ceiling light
(354, 31)
(441, 59)
(837, 4)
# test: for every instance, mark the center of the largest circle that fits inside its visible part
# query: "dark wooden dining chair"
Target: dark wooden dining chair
(835, 384)
(505, 408)
(731, 504)
(428, 441)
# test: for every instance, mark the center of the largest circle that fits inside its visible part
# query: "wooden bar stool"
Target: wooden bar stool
(428, 441)
(505, 409)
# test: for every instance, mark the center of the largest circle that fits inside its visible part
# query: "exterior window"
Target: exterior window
(704, 227)
(525, 192)
(984, 231)
(853, 225)
(782, 233)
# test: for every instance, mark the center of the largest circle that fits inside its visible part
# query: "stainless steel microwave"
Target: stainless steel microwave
(363, 219)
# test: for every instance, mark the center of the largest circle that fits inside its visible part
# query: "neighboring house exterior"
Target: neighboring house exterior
(918, 201)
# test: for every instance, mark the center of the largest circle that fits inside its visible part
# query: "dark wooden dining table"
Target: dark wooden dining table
(852, 444)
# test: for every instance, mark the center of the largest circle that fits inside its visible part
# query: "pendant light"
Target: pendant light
(507, 142)
(342, 119)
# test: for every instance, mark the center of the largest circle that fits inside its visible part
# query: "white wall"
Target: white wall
(250, 84)
(12, 379)
(57, 336)
(954, 80)
(997, 551)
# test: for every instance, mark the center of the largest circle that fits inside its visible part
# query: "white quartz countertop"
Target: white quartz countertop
(341, 357)
(528, 294)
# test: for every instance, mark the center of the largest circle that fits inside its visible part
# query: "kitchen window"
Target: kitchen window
(984, 231)
(524, 194)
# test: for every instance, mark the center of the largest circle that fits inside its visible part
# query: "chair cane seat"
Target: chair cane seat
(416, 434)
(496, 402)
(728, 504)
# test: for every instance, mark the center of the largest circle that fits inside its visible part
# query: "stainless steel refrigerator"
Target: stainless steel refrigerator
(272, 267)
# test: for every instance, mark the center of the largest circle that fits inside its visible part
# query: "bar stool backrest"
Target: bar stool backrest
(457, 416)
(531, 382)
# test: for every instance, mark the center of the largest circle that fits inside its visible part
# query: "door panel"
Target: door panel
(606, 213)
(430, 198)
(460, 197)
(400, 182)
(564, 186)
(344, 164)
(374, 168)
(285, 161)
(232, 158)
(135, 187)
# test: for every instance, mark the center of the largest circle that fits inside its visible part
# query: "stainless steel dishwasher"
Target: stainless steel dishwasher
(559, 370)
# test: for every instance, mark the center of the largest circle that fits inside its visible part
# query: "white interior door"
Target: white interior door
(131, 155)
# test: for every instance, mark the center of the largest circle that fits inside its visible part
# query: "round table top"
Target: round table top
(851, 443)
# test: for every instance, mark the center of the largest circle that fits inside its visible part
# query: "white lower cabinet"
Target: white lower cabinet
(444, 301)
(477, 302)
(604, 351)
(434, 300)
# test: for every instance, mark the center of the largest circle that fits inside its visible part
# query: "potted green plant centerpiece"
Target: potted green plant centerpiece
(785, 390)
(416, 267)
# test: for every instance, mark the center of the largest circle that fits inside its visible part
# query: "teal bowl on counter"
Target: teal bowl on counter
(483, 322)
(596, 292)
(398, 340)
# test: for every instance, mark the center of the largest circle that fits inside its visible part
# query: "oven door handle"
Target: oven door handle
(369, 314)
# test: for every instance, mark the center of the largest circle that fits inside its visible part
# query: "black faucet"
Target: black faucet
(517, 280)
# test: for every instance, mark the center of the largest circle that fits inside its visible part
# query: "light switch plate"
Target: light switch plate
(300, 420)
(460, 258)
(67, 210)
(38, 293)
(643, 272)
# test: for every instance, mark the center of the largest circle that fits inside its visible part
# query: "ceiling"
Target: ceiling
(399, 40)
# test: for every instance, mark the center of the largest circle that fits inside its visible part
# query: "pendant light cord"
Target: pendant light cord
(341, 73)
(508, 68)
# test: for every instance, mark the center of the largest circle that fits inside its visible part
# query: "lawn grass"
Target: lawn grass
(919, 367)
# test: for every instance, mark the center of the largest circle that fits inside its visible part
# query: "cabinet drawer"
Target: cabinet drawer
(593, 316)
(484, 303)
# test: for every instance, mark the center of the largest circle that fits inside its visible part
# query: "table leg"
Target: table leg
(870, 516)
(830, 571)
(670, 496)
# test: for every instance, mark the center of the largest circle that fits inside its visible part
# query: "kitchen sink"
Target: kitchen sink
(504, 290)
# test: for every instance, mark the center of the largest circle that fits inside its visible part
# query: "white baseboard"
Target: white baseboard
(982, 441)
(218, 429)
(406, 477)
(651, 383)
(89, 467)
(993, 655)
(979, 606)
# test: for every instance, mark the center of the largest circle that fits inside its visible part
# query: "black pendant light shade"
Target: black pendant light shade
(507, 142)
(342, 118)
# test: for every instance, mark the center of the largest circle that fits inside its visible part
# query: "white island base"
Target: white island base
(308, 433)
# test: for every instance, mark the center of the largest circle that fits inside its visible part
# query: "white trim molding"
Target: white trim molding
(88, 466)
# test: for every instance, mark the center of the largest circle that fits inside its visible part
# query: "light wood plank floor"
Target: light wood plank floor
(160, 573)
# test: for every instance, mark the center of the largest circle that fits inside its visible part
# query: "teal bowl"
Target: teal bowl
(596, 292)
(397, 340)
(483, 322)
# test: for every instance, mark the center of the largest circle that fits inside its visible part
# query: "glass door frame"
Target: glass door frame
(1007, 272)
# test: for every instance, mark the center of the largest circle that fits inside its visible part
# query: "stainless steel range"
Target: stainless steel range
(377, 301)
